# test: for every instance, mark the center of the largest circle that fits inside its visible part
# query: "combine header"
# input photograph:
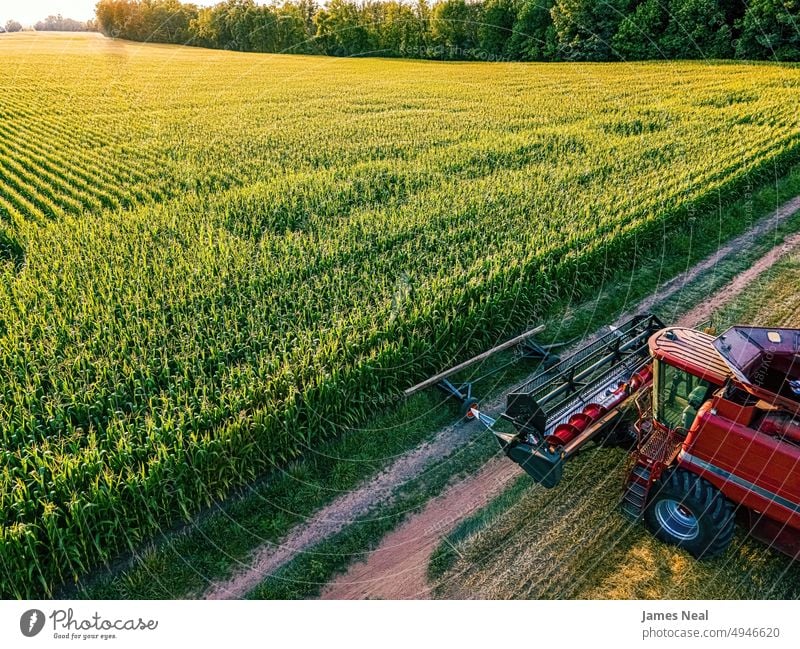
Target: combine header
(567, 405)
(715, 425)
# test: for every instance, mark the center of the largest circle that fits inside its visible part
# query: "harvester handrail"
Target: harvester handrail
(482, 356)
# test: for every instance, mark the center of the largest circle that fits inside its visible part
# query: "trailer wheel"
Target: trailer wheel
(688, 511)
(467, 406)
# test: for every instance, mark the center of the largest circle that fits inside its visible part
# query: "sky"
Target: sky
(30, 11)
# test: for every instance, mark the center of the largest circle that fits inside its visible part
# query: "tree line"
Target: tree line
(58, 23)
(52, 24)
(524, 30)
(11, 26)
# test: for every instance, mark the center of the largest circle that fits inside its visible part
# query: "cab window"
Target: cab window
(679, 396)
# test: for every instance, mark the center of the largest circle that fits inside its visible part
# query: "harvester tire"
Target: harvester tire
(688, 511)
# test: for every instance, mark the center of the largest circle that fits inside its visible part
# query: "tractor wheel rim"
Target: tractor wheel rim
(677, 520)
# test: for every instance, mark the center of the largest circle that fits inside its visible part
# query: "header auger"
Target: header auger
(715, 427)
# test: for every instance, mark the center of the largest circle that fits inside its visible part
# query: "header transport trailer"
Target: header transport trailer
(715, 432)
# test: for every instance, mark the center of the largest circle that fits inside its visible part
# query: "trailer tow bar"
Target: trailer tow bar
(485, 419)
(529, 349)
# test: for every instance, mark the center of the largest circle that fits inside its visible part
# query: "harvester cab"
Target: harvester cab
(766, 362)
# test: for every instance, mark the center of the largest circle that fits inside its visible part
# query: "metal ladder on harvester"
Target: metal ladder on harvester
(656, 450)
(637, 489)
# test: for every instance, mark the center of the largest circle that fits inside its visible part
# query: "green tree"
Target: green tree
(13, 26)
(454, 28)
(204, 29)
(111, 16)
(266, 33)
(400, 31)
(496, 26)
(163, 21)
(340, 29)
(533, 35)
(585, 28)
(770, 29)
(235, 21)
(697, 29)
(306, 9)
(640, 32)
(295, 28)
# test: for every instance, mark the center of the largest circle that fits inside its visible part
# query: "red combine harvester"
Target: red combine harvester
(717, 427)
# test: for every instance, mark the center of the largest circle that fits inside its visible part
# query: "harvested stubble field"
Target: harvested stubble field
(572, 543)
(211, 261)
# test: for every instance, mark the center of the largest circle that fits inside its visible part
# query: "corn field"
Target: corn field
(210, 261)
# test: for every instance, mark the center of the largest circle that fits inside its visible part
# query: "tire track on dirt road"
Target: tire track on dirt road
(342, 511)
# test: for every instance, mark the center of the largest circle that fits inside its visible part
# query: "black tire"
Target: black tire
(467, 405)
(688, 511)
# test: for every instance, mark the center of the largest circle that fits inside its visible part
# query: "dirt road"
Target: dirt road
(392, 573)
(397, 568)
(703, 311)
